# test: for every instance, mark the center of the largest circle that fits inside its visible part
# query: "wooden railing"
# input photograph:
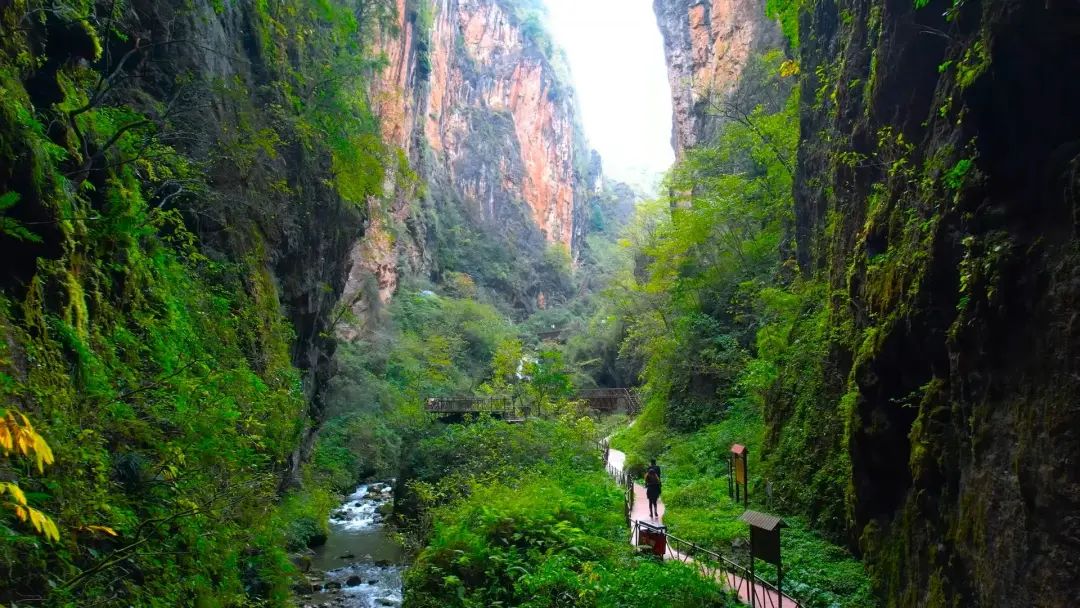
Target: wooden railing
(625, 481)
(610, 399)
(604, 400)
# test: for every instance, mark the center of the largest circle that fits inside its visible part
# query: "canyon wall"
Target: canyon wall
(180, 185)
(937, 197)
(936, 205)
(707, 44)
(478, 98)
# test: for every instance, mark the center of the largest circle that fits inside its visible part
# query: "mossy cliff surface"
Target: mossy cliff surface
(936, 198)
(181, 182)
(925, 410)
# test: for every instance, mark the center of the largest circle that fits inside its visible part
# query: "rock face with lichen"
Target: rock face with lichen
(936, 197)
(930, 419)
(477, 97)
(707, 43)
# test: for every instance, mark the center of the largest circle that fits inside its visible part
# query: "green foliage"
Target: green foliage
(358, 445)
(159, 368)
(787, 13)
(954, 178)
(548, 379)
(303, 518)
(549, 531)
(690, 298)
(10, 226)
(699, 507)
(725, 327)
(462, 456)
(421, 14)
(431, 346)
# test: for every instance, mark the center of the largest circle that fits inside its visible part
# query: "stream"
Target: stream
(361, 564)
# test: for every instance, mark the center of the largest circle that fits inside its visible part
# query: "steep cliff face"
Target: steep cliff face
(931, 416)
(180, 184)
(473, 95)
(484, 65)
(937, 197)
(707, 43)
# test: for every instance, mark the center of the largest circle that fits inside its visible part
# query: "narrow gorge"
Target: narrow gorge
(334, 303)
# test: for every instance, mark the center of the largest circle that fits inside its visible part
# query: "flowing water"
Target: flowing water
(361, 562)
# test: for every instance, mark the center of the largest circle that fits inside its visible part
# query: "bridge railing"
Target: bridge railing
(624, 479)
(609, 399)
(601, 399)
(473, 405)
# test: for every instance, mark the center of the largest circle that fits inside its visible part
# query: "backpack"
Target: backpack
(651, 478)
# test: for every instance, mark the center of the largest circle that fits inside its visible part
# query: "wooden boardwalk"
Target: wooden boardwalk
(763, 596)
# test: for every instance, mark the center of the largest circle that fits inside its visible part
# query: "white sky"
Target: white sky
(616, 56)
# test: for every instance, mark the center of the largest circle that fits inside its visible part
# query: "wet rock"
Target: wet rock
(353, 581)
(302, 561)
(305, 587)
(383, 563)
(347, 556)
(385, 601)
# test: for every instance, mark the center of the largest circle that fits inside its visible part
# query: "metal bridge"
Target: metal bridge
(603, 400)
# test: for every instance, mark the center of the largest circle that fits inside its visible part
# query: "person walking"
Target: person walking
(652, 488)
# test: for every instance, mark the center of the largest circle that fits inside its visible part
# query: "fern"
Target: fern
(10, 226)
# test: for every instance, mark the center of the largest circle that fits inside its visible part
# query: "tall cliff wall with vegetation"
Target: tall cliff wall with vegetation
(936, 200)
(707, 45)
(478, 96)
(180, 184)
(907, 357)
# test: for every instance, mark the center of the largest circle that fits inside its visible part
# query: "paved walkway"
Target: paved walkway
(617, 460)
(763, 597)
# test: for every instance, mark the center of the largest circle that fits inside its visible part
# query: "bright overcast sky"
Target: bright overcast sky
(617, 59)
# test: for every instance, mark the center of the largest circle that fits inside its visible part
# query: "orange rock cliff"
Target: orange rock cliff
(707, 44)
(476, 96)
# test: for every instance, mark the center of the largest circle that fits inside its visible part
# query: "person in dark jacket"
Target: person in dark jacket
(652, 487)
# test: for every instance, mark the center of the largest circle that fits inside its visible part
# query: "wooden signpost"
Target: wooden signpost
(765, 545)
(739, 474)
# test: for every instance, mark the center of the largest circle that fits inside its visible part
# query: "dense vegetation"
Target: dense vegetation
(525, 516)
(148, 232)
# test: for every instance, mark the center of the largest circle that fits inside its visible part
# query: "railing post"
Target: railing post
(753, 587)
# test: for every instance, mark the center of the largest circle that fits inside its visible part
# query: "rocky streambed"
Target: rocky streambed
(361, 564)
